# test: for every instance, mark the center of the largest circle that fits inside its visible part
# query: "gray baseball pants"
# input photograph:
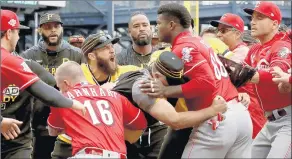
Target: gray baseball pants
(231, 139)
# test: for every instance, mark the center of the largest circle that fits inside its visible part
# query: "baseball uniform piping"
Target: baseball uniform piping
(134, 118)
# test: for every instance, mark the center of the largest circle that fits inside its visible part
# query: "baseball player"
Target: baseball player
(208, 78)
(100, 133)
(139, 52)
(101, 63)
(18, 82)
(101, 69)
(50, 52)
(274, 49)
(230, 30)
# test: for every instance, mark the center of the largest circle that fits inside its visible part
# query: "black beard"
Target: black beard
(142, 42)
(102, 64)
(46, 39)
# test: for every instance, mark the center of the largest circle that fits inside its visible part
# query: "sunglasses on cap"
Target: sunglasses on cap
(104, 40)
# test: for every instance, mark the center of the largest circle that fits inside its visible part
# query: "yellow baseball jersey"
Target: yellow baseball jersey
(219, 47)
(156, 54)
(130, 135)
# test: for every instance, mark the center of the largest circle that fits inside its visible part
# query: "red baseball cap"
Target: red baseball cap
(268, 9)
(9, 20)
(229, 19)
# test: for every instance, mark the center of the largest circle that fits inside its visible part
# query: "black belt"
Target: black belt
(281, 112)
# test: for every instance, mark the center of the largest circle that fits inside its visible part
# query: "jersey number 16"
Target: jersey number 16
(103, 108)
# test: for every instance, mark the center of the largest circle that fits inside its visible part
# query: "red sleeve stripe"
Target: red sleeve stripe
(199, 63)
(29, 83)
(55, 127)
(135, 117)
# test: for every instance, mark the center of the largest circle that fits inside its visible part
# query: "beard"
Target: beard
(104, 65)
(47, 40)
(142, 42)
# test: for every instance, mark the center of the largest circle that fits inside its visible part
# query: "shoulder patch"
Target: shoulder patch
(284, 52)
(186, 54)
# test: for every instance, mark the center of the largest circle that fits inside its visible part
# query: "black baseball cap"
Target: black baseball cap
(169, 65)
(95, 41)
(50, 17)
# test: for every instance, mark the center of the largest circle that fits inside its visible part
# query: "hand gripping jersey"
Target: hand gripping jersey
(103, 124)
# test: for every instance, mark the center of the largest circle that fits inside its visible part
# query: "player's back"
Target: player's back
(223, 85)
(102, 126)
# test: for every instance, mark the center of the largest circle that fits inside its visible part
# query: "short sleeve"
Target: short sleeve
(16, 71)
(54, 119)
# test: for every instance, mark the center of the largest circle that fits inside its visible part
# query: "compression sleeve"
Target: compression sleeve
(49, 95)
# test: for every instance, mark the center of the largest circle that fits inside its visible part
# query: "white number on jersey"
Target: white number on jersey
(219, 71)
(103, 108)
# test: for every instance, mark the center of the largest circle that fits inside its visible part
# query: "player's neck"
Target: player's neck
(5, 45)
(98, 74)
(143, 50)
(234, 45)
(175, 33)
(52, 48)
(266, 38)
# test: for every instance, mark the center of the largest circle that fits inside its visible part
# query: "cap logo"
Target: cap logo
(272, 14)
(12, 22)
(49, 16)
(237, 25)
(258, 4)
(224, 16)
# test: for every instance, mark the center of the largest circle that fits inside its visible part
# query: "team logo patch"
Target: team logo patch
(284, 52)
(25, 67)
(186, 54)
(258, 4)
(12, 22)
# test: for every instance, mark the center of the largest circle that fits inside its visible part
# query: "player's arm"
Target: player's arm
(133, 117)
(166, 113)
(41, 72)
(28, 54)
(55, 122)
(201, 80)
(16, 70)
(280, 57)
(134, 121)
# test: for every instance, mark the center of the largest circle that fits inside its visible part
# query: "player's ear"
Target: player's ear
(8, 34)
(91, 56)
(39, 30)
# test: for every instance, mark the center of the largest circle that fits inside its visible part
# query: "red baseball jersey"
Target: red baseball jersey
(206, 72)
(276, 52)
(15, 72)
(103, 124)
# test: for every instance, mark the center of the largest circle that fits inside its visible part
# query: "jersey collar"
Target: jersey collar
(181, 35)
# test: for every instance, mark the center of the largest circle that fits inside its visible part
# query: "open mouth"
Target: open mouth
(142, 35)
(53, 36)
(112, 59)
